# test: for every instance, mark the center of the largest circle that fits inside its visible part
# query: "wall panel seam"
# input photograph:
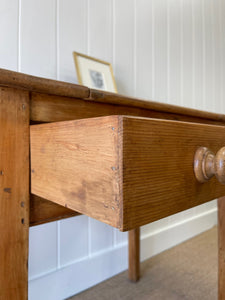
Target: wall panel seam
(19, 37)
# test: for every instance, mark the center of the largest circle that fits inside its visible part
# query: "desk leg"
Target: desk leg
(221, 248)
(14, 193)
(134, 254)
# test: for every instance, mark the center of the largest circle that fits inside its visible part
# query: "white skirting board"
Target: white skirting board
(90, 271)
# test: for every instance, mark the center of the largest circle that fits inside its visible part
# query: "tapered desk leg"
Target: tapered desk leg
(221, 248)
(14, 193)
(134, 254)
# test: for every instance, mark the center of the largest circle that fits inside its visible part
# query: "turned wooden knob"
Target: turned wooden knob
(207, 164)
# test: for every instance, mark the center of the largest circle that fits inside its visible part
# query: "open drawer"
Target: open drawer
(124, 171)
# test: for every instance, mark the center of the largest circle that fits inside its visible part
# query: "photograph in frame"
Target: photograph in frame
(94, 73)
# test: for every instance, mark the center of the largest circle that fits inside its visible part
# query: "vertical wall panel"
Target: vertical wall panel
(208, 57)
(215, 55)
(197, 53)
(124, 46)
(42, 249)
(73, 239)
(101, 236)
(120, 237)
(72, 36)
(174, 58)
(144, 46)
(222, 39)
(38, 37)
(9, 27)
(100, 29)
(187, 54)
(160, 50)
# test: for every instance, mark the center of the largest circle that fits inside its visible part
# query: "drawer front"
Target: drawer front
(124, 171)
(158, 168)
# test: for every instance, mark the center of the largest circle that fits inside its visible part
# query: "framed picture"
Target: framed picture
(94, 73)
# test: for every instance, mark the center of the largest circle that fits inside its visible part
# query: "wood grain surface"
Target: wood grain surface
(51, 108)
(43, 211)
(134, 254)
(75, 164)
(135, 174)
(14, 193)
(158, 176)
(208, 164)
(43, 85)
(117, 99)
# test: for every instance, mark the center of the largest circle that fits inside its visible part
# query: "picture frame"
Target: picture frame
(94, 73)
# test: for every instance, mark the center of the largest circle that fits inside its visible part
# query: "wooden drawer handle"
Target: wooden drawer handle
(207, 164)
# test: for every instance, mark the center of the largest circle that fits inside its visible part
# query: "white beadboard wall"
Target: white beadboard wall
(165, 50)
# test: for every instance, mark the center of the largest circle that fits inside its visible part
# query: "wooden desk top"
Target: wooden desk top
(39, 85)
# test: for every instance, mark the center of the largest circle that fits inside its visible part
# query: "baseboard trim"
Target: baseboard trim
(83, 274)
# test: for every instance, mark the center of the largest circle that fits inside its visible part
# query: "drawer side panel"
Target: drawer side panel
(76, 164)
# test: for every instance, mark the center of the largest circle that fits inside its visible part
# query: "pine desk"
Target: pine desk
(66, 149)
